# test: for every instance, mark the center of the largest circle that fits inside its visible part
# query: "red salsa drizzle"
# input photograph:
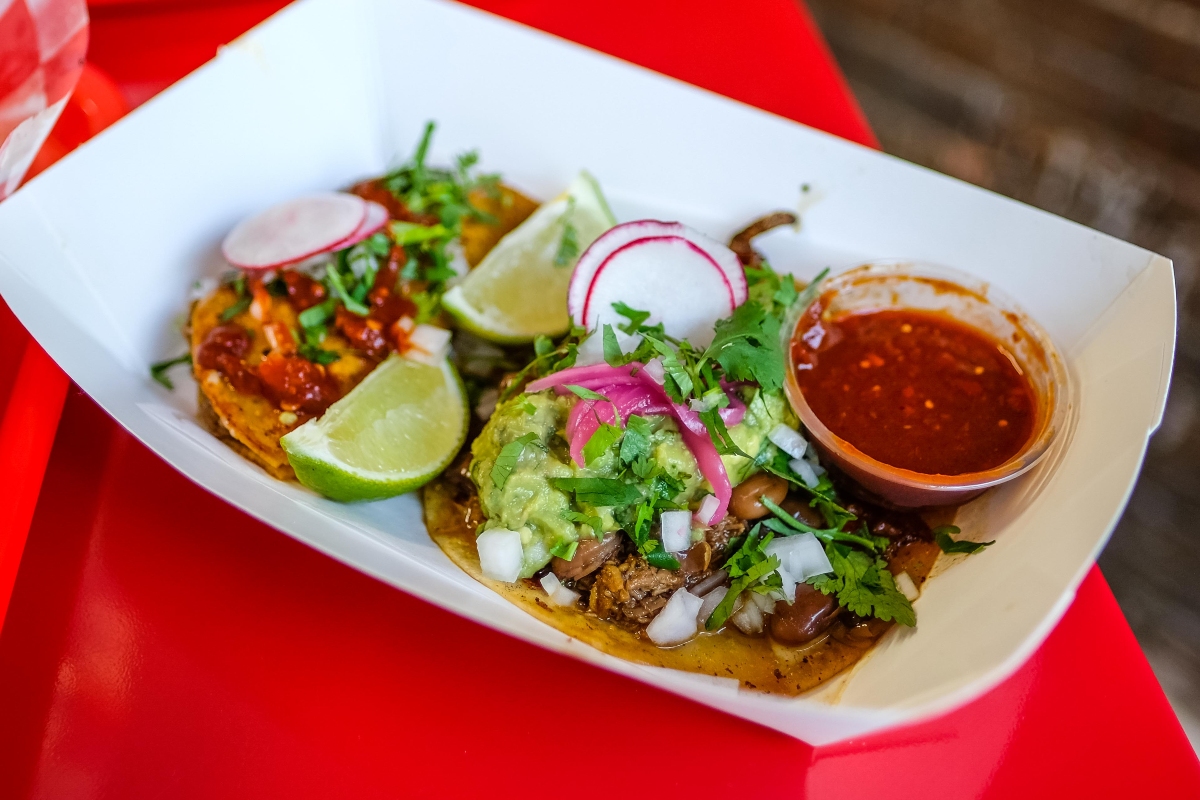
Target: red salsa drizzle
(916, 390)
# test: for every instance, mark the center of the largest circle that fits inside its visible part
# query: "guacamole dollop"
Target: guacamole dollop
(524, 500)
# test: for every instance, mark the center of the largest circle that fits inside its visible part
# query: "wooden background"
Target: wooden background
(1089, 109)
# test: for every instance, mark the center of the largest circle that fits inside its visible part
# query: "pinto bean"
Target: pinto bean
(801, 510)
(746, 501)
(589, 556)
(804, 620)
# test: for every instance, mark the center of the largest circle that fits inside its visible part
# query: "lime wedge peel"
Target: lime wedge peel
(518, 292)
(392, 433)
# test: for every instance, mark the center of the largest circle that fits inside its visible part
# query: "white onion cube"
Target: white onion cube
(428, 344)
(709, 604)
(500, 554)
(788, 440)
(559, 594)
(676, 623)
(676, 531)
(654, 368)
(802, 556)
(906, 586)
(804, 469)
(708, 507)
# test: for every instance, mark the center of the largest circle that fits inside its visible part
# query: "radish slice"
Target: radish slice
(684, 279)
(295, 230)
(376, 217)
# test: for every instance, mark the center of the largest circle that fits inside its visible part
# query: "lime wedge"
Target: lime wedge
(394, 432)
(519, 290)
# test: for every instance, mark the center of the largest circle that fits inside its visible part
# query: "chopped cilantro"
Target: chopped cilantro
(595, 523)
(158, 371)
(636, 318)
(719, 434)
(585, 393)
(507, 459)
(635, 445)
(599, 491)
(564, 550)
(749, 568)
(602, 439)
(941, 535)
(336, 284)
(747, 347)
(317, 315)
(240, 305)
(781, 522)
(863, 584)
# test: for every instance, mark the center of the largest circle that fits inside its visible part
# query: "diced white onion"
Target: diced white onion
(591, 349)
(654, 369)
(789, 584)
(676, 623)
(907, 587)
(805, 470)
(698, 405)
(428, 344)
(749, 617)
(801, 555)
(676, 531)
(711, 601)
(788, 440)
(487, 403)
(458, 261)
(559, 594)
(500, 554)
(407, 323)
(708, 507)
(203, 288)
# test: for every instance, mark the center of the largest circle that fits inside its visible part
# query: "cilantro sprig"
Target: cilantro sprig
(158, 370)
(941, 535)
(749, 568)
(862, 583)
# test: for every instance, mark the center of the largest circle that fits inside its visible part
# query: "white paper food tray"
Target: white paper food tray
(97, 256)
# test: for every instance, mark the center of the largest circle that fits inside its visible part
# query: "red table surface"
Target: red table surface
(160, 643)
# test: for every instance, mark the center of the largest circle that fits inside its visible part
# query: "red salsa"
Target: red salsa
(916, 390)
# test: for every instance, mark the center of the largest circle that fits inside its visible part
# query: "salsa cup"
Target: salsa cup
(928, 287)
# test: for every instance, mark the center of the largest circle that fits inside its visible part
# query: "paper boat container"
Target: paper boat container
(97, 256)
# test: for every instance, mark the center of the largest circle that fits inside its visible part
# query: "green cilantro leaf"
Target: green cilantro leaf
(238, 307)
(862, 583)
(636, 444)
(719, 434)
(942, 533)
(661, 558)
(749, 568)
(599, 491)
(507, 459)
(585, 393)
(158, 370)
(601, 440)
(747, 347)
(595, 523)
(564, 550)
(635, 317)
(336, 284)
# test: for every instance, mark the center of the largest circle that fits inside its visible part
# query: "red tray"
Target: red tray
(161, 643)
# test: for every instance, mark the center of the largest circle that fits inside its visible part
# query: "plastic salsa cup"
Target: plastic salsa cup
(927, 287)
